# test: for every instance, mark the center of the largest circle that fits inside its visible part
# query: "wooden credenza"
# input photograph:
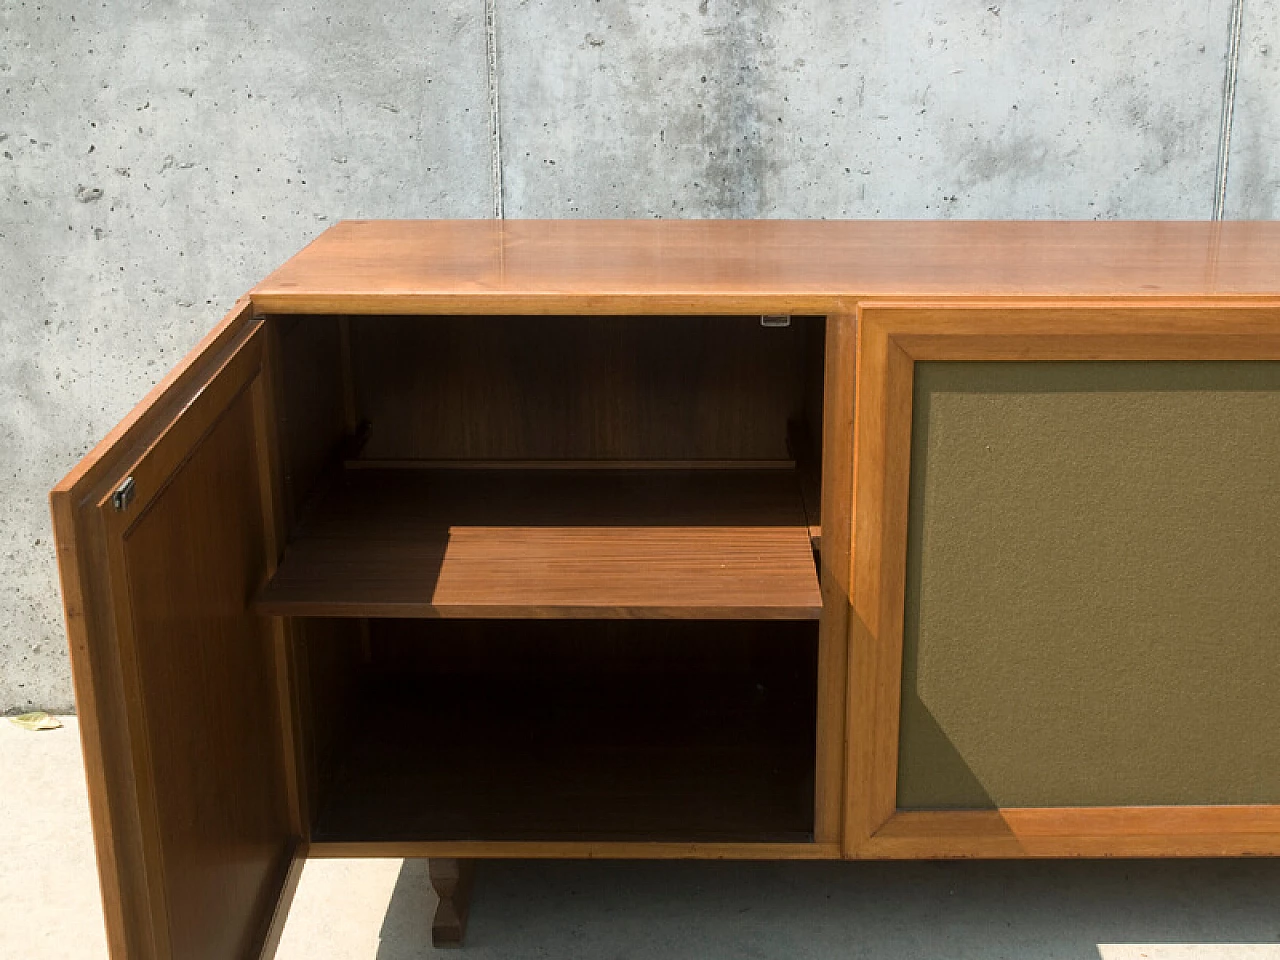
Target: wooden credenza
(464, 540)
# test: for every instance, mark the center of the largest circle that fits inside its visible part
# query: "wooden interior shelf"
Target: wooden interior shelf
(713, 543)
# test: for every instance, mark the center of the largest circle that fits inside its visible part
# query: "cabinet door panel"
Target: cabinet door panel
(165, 533)
(1063, 582)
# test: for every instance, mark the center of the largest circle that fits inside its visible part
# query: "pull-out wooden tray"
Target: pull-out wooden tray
(698, 543)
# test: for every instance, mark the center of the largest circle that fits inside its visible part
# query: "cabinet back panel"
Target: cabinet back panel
(442, 648)
(1092, 612)
(579, 388)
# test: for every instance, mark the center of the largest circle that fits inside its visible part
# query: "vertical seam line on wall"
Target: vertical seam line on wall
(1228, 108)
(495, 115)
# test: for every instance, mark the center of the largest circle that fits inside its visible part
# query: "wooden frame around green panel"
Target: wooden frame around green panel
(891, 337)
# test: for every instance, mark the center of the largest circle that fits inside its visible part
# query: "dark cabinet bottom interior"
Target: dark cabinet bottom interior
(571, 730)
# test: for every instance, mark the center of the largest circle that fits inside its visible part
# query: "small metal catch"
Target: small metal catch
(124, 494)
(775, 320)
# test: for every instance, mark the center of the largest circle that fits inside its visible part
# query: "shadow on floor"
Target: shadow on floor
(882, 911)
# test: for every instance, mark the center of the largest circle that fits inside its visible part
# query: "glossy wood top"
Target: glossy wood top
(538, 266)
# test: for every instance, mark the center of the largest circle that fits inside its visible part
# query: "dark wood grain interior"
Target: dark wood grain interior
(556, 478)
(310, 403)
(326, 653)
(576, 730)
(672, 467)
(581, 388)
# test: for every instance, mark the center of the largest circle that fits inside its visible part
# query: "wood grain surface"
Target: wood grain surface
(532, 266)
(580, 387)
(228, 454)
(891, 339)
(197, 859)
(717, 544)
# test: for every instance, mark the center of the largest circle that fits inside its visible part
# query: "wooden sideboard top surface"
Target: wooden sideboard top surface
(633, 266)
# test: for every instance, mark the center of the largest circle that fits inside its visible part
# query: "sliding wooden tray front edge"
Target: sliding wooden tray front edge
(274, 605)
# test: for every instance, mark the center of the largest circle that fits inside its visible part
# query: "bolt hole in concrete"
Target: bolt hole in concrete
(1064, 910)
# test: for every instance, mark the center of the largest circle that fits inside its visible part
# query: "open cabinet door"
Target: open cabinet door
(164, 533)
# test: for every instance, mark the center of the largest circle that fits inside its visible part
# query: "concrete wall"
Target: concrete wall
(155, 161)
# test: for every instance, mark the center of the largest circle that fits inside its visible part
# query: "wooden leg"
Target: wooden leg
(451, 879)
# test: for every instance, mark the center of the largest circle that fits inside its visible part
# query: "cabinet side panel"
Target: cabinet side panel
(328, 654)
(1092, 616)
(310, 401)
(204, 670)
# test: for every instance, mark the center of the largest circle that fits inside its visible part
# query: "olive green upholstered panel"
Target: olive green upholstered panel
(1093, 585)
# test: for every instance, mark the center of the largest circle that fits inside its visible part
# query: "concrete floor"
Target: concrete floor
(354, 910)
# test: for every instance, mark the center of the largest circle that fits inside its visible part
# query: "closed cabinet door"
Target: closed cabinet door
(1066, 629)
(164, 534)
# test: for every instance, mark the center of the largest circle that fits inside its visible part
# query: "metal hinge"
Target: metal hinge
(775, 320)
(124, 494)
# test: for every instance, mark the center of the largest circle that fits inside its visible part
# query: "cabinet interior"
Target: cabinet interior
(562, 730)
(552, 577)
